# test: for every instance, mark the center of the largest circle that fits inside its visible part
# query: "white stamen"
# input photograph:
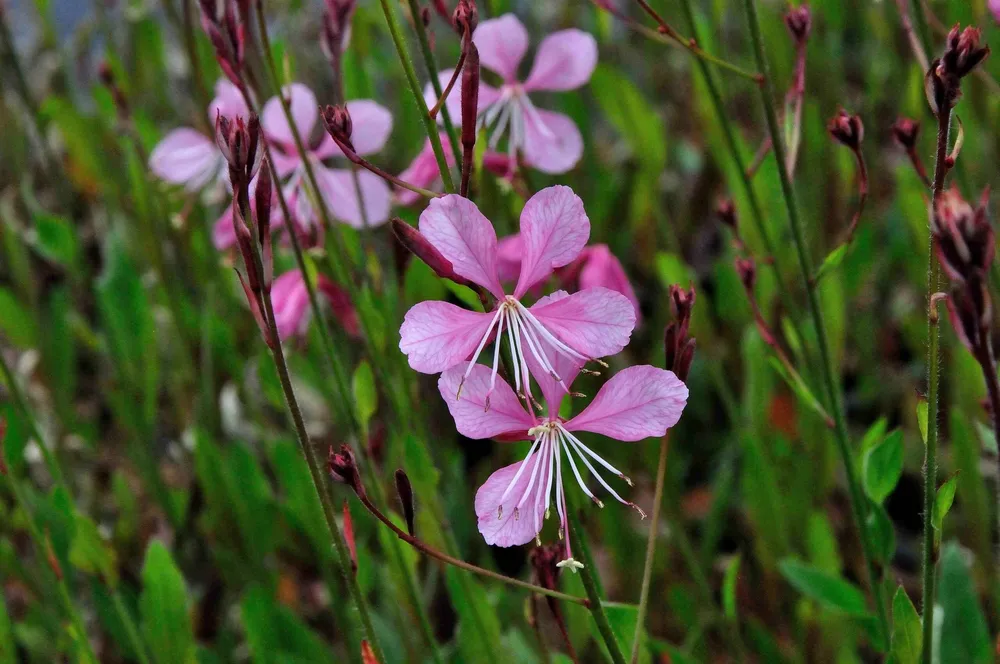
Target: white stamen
(594, 472)
(517, 475)
(553, 451)
(548, 336)
(479, 349)
(501, 125)
(535, 347)
(534, 472)
(576, 472)
(596, 456)
(559, 486)
(512, 338)
(535, 117)
(496, 353)
(518, 355)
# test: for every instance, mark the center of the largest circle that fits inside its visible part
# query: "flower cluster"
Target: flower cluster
(550, 342)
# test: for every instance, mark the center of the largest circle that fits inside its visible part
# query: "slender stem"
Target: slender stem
(191, 46)
(432, 74)
(647, 570)
(411, 78)
(131, 631)
(428, 550)
(857, 498)
(989, 364)
(933, 397)
(588, 575)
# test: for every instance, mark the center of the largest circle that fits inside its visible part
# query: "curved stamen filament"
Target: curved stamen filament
(595, 455)
(517, 475)
(579, 479)
(496, 356)
(535, 117)
(553, 453)
(479, 349)
(535, 346)
(548, 336)
(512, 338)
(559, 488)
(534, 473)
(593, 470)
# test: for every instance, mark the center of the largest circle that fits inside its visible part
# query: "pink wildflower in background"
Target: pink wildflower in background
(995, 9)
(636, 403)
(585, 326)
(291, 304)
(423, 171)
(187, 157)
(565, 60)
(372, 124)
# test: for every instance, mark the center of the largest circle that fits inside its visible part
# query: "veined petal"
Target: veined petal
(596, 322)
(186, 157)
(473, 419)
(372, 124)
(435, 336)
(637, 403)
(423, 172)
(228, 101)
(512, 527)
(602, 268)
(552, 142)
(554, 229)
(564, 61)
(304, 111)
(342, 198)
(456, 227)
(290, 300)
(509, 252)
(502, 43)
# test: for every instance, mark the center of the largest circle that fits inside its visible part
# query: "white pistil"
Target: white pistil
(559, 486)
(553, 450)
(572, 563)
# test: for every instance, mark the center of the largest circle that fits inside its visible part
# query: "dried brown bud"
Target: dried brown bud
(725, 210)
(747, 270)
(337, 120)
(344, 469)
(420, 247)
(905, 131)
(405, 492)
(799, 23)
(847, 129)
(963, 236)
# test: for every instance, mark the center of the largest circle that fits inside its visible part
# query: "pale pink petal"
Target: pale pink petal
(423, 172)
(554, 229)
(285, 158)
(509, 251)
(564, 61)
(602, 268)
(186, 157)
(505, 527)
(638, 402)
(435, 336)
(487, 95)
(456, 227)
(502, 43)
(552, 143)
(340, 305)
(498, 164)
(372, 124)
(304, 111)
(223, 233)
(995, 9)
(341, 196)
(291, 304)
(567, 368)
(473, 419)
(228, 101)
(596, 322)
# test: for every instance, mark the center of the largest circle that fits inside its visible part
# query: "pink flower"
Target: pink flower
(423, 171)
(187, 157)
(565, 60)
(587, 325)
(291, 304)
(595, 266)
(372, 125)
(995, 9)
(636, 403)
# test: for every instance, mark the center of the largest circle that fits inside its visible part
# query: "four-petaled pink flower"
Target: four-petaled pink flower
(291, 304)
(423, 171)
(372, 125)
(995, 10)
(585, 326)
(636, 403)
(565, 60)
(187, 157)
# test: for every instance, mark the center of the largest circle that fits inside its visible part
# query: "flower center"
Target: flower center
(512, 110)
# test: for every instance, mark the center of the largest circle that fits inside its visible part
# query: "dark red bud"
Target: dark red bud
(799, 23)
(905, 131)
(963, 52)
(465, 17)
(725, 210)
(747, 270)
(405, 492)
(344, 469)
(337, 120)
(367, 654)
(847, 129)
(970, 311)
(963, 236)
(420, 247)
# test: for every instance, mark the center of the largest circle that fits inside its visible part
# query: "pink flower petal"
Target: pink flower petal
(372, 124)
(554, 229)
(304, 112)
(502, 43)
(994, 6)
(565, 367)
(552, 143)
(505, 415)
(509, 251)
(487, 95)
(512, 528)
(596, 322)
(228, 101)
(340, 304)
(638, 402)
(564, 61)
(186, 157)
(223, 234)
(423, 172)
(456, 227)
(602, 268)
(341, 196)
(291, 304)
(435, 336)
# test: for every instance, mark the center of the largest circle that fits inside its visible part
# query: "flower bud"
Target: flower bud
(344, 469)
(747, 270)
(262, 210)
(963, 237)
(405, 492)
(962, 53)
(970, 311)
(336, 27)
(337, 120)
(847, 129)
(725, 210)
(465, 17)
(799, 23)
(679, 347)
(905, 131)
(367, 654)
(419, 246)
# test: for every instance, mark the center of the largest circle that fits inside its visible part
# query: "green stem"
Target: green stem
(857, 498)
(191, 46)
(432, 73)
(588, 574)
(411, 78)
(647, 570)
(131, 631)
(14, 387)
(933, 396)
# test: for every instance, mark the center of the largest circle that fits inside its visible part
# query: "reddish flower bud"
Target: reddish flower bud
(963, 52)
(725, 210)
(465, 17)
(847, 129)
(905, 131)
(262, 210)
(799, 23)
(405, 492)
(349, 537)
(418, 245)
(344, 469)
(337, 120)
(963, 237)
(970, 311)
(367, 654)
(336, 27)
(678, 345)
(747, 270)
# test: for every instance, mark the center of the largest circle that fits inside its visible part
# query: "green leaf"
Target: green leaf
(622, 618)
(8, 652)
(166, 624)
(16, 322)
(922, 419)
(478, 624)
(799, 388)
(942, 503)
(883, 466)
(831, 262)
(55, 239)
(881, 533)
(873, 436)
(90, 553)
(829, 591)
(365, 394)
(964, 637)
(466, 295)
(907, 637)
(729, 588)
(275, 634)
